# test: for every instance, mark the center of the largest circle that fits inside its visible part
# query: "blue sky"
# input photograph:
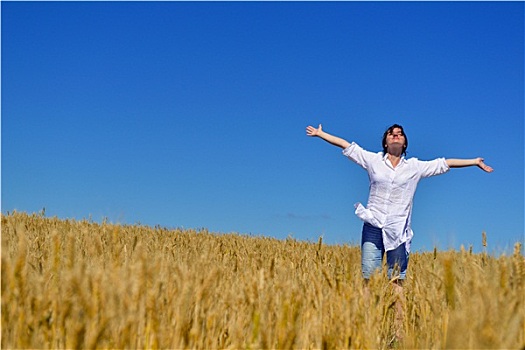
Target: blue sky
(193, 114)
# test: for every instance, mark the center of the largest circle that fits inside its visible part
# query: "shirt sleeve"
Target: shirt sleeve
(433, 167)
(360, 156)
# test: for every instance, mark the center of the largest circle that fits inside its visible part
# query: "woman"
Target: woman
(393, 181)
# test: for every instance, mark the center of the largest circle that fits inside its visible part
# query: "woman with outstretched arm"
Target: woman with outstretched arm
(387, 216)
(393, 181)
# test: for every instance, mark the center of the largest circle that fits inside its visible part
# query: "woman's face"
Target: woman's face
(395, 139)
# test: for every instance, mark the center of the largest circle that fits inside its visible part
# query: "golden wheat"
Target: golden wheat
(79, 284)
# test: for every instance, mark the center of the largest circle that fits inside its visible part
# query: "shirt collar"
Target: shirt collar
(385, 158)
(385, 155)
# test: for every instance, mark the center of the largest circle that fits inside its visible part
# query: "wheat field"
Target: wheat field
(85, 285)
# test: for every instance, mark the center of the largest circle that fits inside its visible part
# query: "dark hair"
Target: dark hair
(389, 131)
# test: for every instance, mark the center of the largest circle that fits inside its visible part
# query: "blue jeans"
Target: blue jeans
(372, 251)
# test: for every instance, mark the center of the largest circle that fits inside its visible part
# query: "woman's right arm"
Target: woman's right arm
(334, 140)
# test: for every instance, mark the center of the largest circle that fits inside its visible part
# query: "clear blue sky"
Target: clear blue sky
(193, 114)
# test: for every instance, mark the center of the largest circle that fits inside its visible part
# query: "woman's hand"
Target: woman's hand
(311, 131)
(483, 166)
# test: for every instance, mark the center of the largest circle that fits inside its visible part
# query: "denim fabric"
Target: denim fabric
(373, 250)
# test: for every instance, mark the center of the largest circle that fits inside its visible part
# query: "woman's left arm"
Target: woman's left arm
(460, 163)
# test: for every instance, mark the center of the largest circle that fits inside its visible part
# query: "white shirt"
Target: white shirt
(392, 192)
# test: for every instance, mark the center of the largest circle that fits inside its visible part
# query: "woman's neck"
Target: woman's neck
(394, 159)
